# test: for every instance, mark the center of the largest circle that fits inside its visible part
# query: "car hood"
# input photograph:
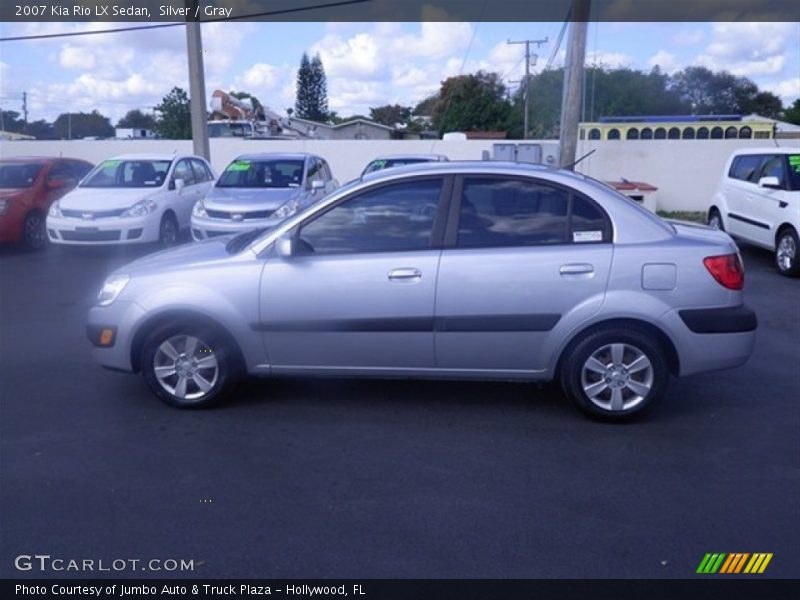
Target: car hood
(95, 199)
(247, 199)
(196, 254)
(6, 193)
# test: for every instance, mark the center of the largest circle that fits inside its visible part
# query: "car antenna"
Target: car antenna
(587, 155)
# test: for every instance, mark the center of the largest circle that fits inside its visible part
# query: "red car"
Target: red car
(28, 185)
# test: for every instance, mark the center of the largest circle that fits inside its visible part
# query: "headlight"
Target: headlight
(199, 209)
(112, 288)
(55, 209)
(287, 209)
(140, 209)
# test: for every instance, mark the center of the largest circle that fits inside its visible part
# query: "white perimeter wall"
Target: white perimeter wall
(685, 171)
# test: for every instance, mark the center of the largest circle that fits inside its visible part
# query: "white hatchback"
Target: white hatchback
(758, 201)
(131, 199)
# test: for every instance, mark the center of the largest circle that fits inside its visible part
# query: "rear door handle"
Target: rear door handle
(576, 269)
(405, 274)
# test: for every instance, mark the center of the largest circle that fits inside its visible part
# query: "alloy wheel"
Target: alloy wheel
(786, 253)
(186, 367)
(617, 377)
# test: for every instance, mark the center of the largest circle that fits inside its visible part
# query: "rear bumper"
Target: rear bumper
(712, 339)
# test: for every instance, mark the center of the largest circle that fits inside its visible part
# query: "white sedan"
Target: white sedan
(131, 199)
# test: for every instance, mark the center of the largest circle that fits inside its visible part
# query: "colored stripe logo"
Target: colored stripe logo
(734, 563)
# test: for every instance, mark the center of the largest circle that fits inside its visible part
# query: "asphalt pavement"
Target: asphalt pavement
(380, 479)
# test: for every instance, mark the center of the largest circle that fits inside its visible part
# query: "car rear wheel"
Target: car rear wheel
(34, 235)
(787, 260)
(189, 366)
(715, 220)
(168, 231)
(615, 374)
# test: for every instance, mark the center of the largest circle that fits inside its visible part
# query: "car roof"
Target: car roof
(39, 159)
(463, 166)
(274, 156)
(767, 150)
(153, 156)
(431, 157)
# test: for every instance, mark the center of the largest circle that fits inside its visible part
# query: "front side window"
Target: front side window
(511, 212)
(128, 173)
(183, 170)
(250, 173)
(201, 171)
(773, 167)
(391, 218)
(746, 168)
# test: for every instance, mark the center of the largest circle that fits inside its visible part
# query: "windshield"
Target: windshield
(386, 163)
(243, 173)
(18, 175)
(794, 170)
(120, 173)
(222, 129)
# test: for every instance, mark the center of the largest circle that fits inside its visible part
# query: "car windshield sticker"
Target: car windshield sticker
(587, 236)
(379, 164)
(794, 162)
(110, 164)
(239, 165)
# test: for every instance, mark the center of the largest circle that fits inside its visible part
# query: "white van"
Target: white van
(758, 201)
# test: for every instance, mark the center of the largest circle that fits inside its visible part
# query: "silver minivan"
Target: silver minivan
(480, 270)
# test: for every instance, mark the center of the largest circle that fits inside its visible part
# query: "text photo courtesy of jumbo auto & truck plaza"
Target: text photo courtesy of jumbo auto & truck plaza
(399, 299)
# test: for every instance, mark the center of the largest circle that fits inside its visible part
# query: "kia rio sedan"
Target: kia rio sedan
(131, 199)
(475, 270)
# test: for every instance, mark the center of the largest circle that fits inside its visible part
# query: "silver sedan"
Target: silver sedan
(479, 270)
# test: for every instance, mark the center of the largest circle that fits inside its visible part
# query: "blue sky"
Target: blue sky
(368, 64)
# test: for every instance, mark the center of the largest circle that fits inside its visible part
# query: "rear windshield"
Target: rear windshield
(794, 170)
(18, 175)
(243, 173)
(118, 173)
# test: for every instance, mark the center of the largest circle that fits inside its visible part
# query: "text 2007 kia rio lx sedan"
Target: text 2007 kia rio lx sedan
(481, 270)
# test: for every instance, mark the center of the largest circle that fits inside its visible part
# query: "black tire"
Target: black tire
(787, 253)
(605, 405)
(168, 231)
(34, 232)
(715, 220)
(210, 342)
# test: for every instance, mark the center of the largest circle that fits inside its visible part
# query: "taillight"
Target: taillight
(727, 270)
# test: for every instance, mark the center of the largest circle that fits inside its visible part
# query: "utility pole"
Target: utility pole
(197, 83)
(526, 80)
(573, 82)
(25, 111)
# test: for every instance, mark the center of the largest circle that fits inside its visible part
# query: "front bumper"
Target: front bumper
(204, 228)
(98, 232)
(121, 317)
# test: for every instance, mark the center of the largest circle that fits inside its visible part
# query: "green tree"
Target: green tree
(425, 107)
(136, 119)
(720, 92)
(41, 130)
(79, 125)
(792, 114)
(175, 119)
(390, 114)
(311, 100)
(474, 102)
(10, 121)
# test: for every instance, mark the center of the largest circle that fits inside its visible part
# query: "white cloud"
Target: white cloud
(788, 90)
(749, 49)
(666, 61)
(72, 57)
(609, 59)
(689, 38)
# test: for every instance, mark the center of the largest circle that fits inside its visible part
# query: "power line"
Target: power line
(526, 80)
(270, 13)
(558, 41)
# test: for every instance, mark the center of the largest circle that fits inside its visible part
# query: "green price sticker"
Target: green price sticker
(239, 165)
(794, 162)
(111, 164)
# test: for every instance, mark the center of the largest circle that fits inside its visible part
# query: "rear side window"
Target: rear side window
(746, 167)
(511, 212)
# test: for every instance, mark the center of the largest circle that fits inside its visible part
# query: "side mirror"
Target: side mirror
(179, 184)
(770, 182)
(317, 184)
(284, 245)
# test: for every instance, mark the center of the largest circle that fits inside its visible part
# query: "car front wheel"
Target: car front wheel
(786, 250)
(189, 366)
(34, 236)
(615, 374)
(168, 231)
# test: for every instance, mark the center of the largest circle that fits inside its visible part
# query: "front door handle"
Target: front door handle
(405, 274)
(576, 269)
